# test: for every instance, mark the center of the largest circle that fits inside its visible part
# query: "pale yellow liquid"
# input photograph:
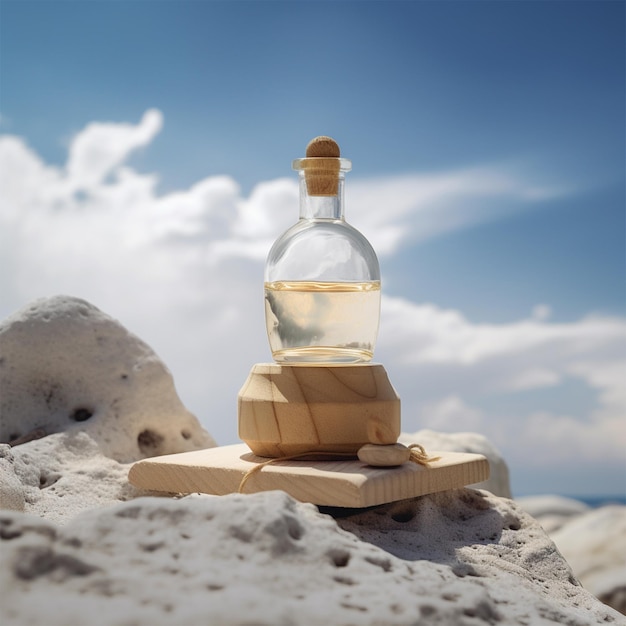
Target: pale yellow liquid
(322, 322)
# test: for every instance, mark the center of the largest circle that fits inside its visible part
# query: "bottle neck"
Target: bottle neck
(321, 207)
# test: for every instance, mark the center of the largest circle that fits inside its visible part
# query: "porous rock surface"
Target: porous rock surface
(593, 541)
(67, 366)
(61, 475)
(594, 544)
(463, 557)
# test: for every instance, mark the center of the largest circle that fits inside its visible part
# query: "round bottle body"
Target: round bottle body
(322, 294)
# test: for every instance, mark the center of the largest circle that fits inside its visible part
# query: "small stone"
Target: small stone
(384, 456)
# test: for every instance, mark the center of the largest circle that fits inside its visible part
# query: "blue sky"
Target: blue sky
(500, 125)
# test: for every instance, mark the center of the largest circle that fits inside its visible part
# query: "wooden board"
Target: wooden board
(344, 483)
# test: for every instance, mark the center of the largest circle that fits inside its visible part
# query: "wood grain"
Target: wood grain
(344, 483)
(291, 409)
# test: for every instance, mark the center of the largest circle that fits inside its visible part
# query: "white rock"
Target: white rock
(11, 489)
(498, 481)
(594, 544)
(66, 366)
(65, 474)
(462, 557)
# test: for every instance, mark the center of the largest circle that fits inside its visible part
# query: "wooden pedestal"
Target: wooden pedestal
(292, 409)
(343, 483)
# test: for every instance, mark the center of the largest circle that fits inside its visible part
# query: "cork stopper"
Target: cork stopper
(321, 166)
(323, 147)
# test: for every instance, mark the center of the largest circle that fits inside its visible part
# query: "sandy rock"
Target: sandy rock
(11, 489)
(66, 366)
(498, 482)
(594, 544)
(65, 474)
(593, 541)
(463, 557)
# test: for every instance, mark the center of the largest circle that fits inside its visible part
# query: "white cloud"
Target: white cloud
(184, 270)
(440, 352)
(24, 177)
(555, 440)
(608, 376)
(100, 147)
(445, 336)
(534, 378)
(452, 414)
(394, 211)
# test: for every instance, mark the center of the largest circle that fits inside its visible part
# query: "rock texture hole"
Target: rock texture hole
(403, 517)
(382, 562)
(10, 533)
(37, 561)
(344, 580)
(81, 414)
(294, 528)
(47, 479)
(149, 441)
(339, 558)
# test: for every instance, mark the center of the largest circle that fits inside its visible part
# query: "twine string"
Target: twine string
(418, 455)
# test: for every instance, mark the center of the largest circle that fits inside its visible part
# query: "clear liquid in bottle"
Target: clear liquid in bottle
(322, 322)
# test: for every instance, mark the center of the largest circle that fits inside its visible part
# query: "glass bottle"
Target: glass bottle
(322, 278)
